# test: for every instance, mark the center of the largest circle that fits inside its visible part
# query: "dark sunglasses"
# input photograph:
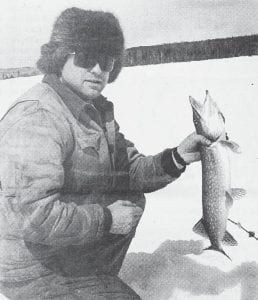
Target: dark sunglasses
(105, 62)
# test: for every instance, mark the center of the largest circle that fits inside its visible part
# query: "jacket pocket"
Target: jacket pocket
(90, 144)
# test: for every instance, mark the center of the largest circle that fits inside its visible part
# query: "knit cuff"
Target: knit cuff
(107, 219)
(178, 158)
(169, 165)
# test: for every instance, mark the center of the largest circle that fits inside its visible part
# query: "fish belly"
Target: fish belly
(215, 183)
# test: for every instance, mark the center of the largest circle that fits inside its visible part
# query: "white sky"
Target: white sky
(26, 24)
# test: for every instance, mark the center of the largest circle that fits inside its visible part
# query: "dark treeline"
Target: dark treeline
(191, 51)
(175, 52)
(18, 72)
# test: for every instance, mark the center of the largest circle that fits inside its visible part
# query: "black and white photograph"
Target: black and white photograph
(129, 150)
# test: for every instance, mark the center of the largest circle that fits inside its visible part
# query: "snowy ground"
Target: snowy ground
(166, 260)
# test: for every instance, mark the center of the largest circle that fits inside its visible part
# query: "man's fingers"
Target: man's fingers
(192, 157)
(203, 140)
(196, 156)
(138, 211)
(127, 203)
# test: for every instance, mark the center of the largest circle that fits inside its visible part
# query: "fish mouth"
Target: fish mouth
(196, 106)
(204, 109)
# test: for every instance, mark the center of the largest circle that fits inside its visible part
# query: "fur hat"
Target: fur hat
(78, 30)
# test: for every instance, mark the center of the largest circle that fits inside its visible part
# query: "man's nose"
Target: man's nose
(97, 69)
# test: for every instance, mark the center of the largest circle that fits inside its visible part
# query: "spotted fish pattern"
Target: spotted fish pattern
(217, 194)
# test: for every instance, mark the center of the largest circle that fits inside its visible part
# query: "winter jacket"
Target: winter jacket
(62, 162)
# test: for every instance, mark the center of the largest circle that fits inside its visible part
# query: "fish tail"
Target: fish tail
(212, 247)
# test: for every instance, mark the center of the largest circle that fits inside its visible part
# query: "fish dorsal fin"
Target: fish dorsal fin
(231, 145)
(199, 228)
(229, 199)
(237, 193)
(229, 239)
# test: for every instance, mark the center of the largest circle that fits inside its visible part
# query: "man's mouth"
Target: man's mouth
(95, 81)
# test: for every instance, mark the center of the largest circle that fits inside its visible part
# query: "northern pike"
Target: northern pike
(217, 194)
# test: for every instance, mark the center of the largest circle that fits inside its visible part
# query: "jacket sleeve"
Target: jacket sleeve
(146, 173)
(32, 152)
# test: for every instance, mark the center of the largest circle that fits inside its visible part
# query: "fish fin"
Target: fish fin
(199, 228)
(231, 145)
(229, 239)
(219, 250)
(213, 144)
(229, 199)
(237, 193)
(234, 194)
(218, 140)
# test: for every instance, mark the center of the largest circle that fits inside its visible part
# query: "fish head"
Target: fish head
(207, 117)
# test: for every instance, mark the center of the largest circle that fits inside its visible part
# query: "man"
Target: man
(72, 187)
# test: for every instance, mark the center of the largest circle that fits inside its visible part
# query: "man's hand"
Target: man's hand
(189, 147)
(125, 216)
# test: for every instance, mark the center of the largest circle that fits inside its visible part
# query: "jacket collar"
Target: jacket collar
(74, 102)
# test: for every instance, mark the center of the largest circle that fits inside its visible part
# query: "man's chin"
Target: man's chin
(91, 94)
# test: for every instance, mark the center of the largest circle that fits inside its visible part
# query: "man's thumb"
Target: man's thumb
(203, 140)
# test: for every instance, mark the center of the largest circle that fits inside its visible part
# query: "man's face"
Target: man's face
(89, 82)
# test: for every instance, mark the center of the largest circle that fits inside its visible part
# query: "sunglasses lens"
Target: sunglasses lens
(106, 63)
(84, 61)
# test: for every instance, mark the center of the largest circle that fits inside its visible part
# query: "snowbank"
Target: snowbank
(152, 107)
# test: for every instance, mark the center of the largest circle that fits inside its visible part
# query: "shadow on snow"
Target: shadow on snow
(155, 276)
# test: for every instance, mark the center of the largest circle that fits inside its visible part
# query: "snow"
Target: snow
(166, 260)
